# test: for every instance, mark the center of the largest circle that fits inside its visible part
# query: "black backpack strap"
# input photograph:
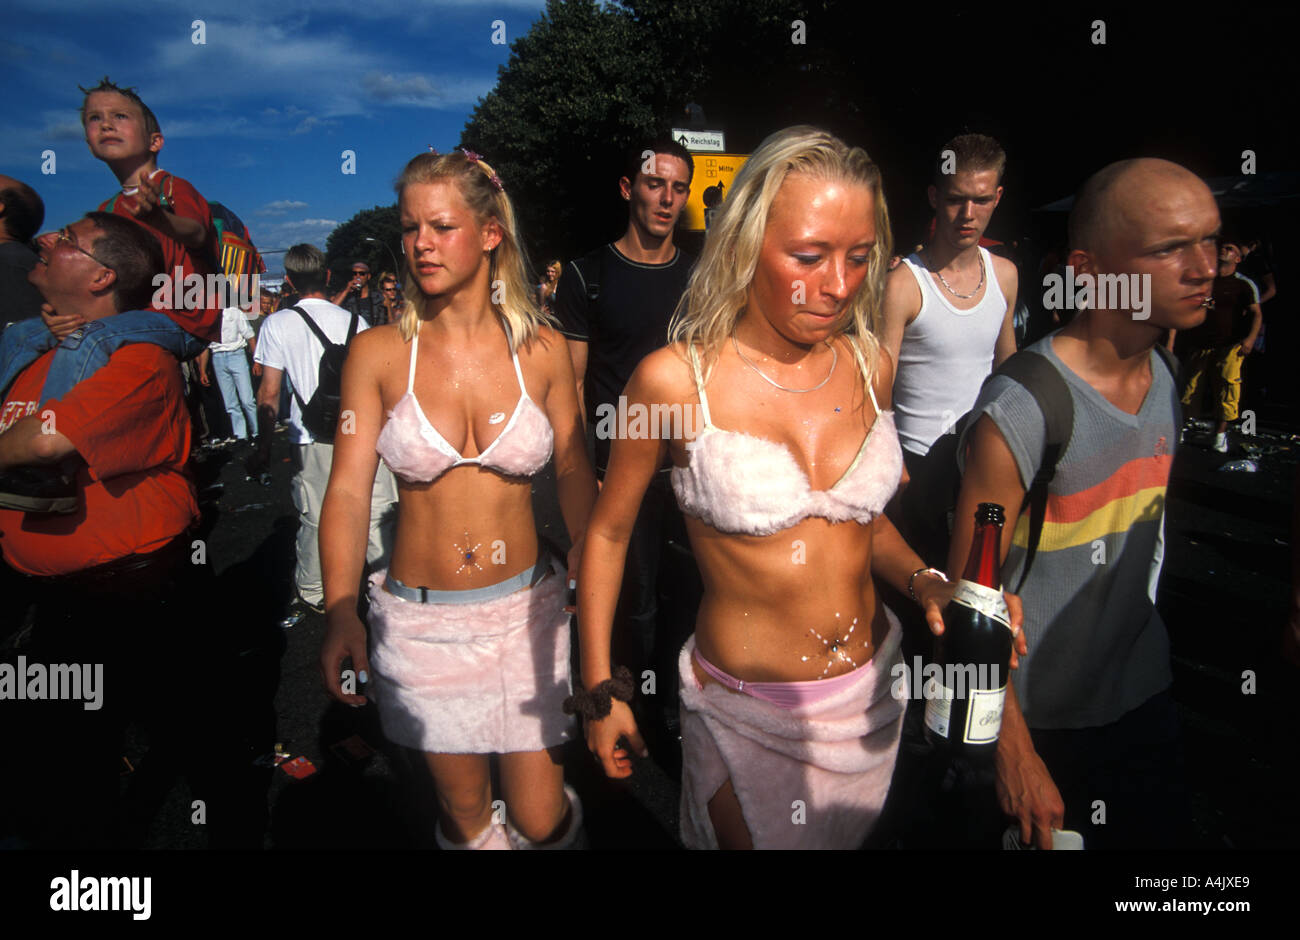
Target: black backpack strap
(1170, 362)
(325, 341)
(591, 267)
(320, 334)
(1041, 379)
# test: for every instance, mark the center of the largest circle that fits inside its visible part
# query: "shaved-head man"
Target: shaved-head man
(1089, 715)
(21, 215)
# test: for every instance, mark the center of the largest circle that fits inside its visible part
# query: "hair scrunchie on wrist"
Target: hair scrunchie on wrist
(595, 703)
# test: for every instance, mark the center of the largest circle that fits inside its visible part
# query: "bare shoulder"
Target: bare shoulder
(883, 380)
(882, 377)
(546, 348)
(902, 295)
(378, 350)
(376, 341)
(663, 376)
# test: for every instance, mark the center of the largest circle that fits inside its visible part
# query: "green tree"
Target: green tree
(588, 82)
(347, 244)
(576, 92)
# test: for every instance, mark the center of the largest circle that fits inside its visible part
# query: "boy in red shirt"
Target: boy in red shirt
(124, 133)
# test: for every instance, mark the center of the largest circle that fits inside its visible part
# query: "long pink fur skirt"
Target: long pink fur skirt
(812, 777)
(479, 678)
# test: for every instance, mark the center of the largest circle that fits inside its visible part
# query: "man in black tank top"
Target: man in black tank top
(614, 305)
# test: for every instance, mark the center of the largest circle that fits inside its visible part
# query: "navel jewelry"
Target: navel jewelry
(834, 359)
(931, 266)
(467, 553)
(835, 649)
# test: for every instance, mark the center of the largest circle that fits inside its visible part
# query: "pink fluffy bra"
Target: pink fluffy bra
(741, 484)
(416, 452)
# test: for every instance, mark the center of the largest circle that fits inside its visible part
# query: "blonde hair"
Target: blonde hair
(716, 294)
(479, 186)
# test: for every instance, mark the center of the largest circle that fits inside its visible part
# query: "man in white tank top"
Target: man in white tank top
(948, 322)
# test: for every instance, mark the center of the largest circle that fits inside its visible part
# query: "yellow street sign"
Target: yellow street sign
(710, 185)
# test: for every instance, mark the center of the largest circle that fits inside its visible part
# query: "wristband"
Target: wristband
(595, 703)
(912, 580)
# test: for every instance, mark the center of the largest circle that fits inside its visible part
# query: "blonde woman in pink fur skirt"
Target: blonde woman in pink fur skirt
(785, 458)
(465, 398)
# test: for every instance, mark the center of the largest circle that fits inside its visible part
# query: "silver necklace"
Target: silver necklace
(835, 356)
(979, 255)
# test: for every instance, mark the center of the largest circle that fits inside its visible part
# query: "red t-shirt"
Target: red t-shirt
(183, 199)
(128, 422)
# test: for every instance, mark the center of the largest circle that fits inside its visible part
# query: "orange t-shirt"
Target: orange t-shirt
(128, 422)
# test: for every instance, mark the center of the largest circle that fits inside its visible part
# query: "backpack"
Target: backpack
(591, 268)
(320, 416)
(1052, 395)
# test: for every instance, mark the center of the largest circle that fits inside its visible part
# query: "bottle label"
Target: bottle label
(938, 712)
(984, 715)
(987, 601)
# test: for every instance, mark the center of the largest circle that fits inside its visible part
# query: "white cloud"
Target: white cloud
(424, 91)
(281, 206)
(310, 123)
(285, 234)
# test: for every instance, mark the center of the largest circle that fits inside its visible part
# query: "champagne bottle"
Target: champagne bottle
(963, 709)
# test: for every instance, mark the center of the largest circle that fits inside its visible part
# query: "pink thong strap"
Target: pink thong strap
(782, 694)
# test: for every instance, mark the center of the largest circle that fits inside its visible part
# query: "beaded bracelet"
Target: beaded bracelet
(595, 703)
(912, 580)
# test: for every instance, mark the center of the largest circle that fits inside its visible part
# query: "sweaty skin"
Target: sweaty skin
(764, 595)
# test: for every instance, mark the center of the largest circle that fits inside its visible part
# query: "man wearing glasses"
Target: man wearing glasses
(359, 299)
(114, 584)
(390, 297)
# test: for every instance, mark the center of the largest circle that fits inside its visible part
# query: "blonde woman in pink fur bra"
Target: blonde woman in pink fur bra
(465, 398)
(789, 731)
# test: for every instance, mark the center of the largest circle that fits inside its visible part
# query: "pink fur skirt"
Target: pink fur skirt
(811, 777)
(478, 678)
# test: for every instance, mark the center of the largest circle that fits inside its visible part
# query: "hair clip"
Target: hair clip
(474, 158)
(434, 150)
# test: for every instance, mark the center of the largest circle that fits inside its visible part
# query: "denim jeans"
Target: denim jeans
(236, 387)
(85, 351)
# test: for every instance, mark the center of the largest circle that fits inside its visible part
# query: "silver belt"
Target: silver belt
(529, 577)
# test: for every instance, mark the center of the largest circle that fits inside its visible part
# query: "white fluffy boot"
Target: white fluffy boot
(572, 838)
(493, 837)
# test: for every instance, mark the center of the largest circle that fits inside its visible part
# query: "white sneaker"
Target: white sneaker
(1221, 442)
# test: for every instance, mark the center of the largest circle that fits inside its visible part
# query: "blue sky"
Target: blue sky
(258, 116)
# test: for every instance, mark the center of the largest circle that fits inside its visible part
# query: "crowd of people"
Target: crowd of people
(828, 510)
